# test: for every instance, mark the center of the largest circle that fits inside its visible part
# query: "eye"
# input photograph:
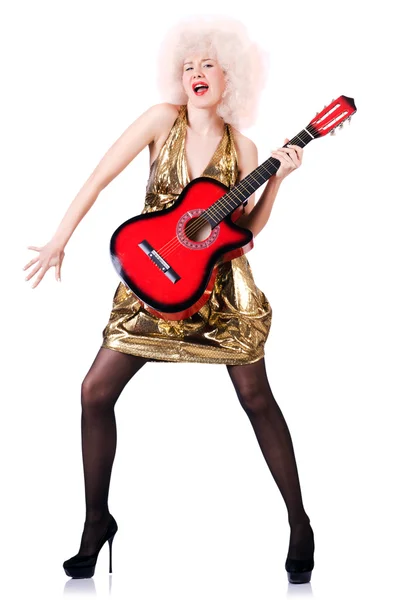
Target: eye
(206, 65)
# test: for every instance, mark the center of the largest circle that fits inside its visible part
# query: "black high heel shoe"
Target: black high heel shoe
(83, 566)
(299, 570)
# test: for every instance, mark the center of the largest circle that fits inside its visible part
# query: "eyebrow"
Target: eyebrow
(190, 62)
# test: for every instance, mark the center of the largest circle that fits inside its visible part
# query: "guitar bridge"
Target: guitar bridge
(159, 261)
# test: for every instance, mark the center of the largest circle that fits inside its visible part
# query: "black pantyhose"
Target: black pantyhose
(271, 431)
(107, 377)
(103, 384)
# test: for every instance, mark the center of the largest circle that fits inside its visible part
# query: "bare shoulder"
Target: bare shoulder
(242, 142)
(163, 115)
(247, 151)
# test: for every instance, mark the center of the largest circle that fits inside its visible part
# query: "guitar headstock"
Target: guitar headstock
(332, 116)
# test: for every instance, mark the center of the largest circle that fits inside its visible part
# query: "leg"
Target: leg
(271, 430)
(105, 380)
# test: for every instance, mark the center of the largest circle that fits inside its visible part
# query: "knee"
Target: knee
(256, 401)
(95, 394)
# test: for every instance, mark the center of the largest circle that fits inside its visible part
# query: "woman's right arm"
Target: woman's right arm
(144, 130)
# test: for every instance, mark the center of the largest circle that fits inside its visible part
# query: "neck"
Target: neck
(204, 121)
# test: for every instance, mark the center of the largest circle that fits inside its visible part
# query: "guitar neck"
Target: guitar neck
(247, 186)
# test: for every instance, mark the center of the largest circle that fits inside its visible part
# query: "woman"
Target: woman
(214, 74)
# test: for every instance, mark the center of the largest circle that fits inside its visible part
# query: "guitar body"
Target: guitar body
(169, 258)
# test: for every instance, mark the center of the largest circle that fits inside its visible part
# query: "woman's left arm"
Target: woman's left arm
(257, 215)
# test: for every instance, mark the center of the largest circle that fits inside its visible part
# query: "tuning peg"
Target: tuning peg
(349, 119)
(316, 114)
(341, 126)
(333, 132)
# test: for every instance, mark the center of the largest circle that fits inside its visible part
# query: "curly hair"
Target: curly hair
(244, 63)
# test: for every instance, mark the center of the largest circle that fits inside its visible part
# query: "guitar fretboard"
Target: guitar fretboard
(247, 186)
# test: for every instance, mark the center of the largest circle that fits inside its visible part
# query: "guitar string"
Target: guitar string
(174, 242)
(200, 221)
(232, 192)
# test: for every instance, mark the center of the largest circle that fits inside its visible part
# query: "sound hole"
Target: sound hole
(197, 229)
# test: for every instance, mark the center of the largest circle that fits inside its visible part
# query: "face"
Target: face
(202, 68)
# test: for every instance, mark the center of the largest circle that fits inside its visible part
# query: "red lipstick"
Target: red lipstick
(196, 83)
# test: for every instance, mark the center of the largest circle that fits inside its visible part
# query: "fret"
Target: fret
(247, 186)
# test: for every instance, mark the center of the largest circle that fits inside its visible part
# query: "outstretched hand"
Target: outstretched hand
(50, 255)
(290, 159)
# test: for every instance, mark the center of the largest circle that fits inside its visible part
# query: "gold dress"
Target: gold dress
(233, 325)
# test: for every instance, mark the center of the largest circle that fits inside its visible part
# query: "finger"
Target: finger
(30, 263)
(58, 272)
(291, 161)
(38, 279)
(38, 248)
(292, 153)
(294, 157)
(290, 148)
(278, 156)
(283, 156)
(40, 275)
(298, 149)
(33, 273)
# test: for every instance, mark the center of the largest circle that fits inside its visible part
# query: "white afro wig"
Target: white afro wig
(244, 63)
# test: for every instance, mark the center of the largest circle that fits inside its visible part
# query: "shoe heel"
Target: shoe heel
(299, 577)
(83, 567)
(110, 553)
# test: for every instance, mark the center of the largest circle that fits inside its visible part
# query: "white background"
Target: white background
(199, 514)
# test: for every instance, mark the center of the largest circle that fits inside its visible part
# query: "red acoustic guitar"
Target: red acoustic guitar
(169, 258)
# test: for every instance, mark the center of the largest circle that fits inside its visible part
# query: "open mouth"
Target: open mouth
(200, 88)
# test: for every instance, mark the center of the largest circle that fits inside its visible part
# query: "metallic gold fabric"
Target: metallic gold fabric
(233, 325)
